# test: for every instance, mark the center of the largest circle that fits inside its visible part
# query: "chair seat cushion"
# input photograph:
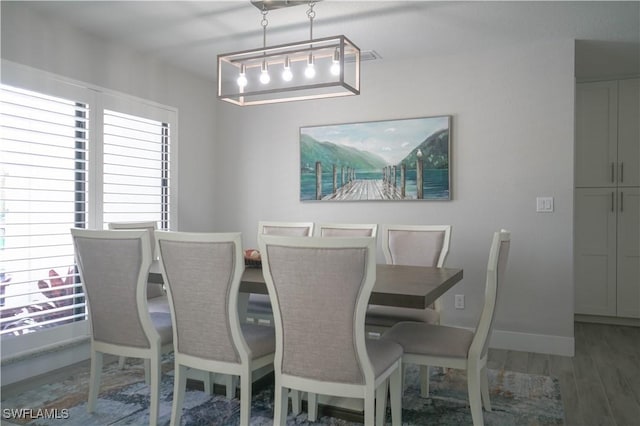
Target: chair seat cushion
(387, 316)
(430, 339)
(154, 290)
(162, 323)
(260, 339)
(383, 353)
(159, 304)
(259, 304)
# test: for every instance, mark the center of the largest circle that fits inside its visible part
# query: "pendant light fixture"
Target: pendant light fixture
(311, 69)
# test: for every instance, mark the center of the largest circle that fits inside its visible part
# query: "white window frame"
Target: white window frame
(98, 99)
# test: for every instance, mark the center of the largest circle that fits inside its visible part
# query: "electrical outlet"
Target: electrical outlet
(459, 301)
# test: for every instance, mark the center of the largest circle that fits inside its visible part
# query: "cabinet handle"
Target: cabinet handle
(621, 201)
(613, 172)
(621, 171)
(613, 196)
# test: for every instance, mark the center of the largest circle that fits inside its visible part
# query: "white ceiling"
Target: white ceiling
(190, 34)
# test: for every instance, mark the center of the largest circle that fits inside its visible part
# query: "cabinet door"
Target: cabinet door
(596, 133)
(629, 132)
(629, 252)
(595, 251)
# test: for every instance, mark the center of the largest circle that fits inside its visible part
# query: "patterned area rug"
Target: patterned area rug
(517, 399)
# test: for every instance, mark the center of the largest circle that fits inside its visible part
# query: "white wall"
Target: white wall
(512, 140)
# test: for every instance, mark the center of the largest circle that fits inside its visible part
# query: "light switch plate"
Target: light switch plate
(544, 204)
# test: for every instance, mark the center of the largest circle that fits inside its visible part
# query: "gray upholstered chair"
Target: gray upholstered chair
(319, 289)
(114, 267)
(413, 245)
(328, 230)
(258, 306)
(347, 230)
(202, 272)
(452, 347)
(156, 297)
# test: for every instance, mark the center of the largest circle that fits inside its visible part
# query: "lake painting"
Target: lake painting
(406, 159)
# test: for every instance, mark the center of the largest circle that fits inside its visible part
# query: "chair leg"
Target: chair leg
(475, 403)
(94, 380)
(296, 402)
(381, 402)
(484, 389)
(231, 386)
(424, 381)
(369, 408)
(179, 388)
(245, 397)
(121, 362)
(395, 390)
(154, 406)
(280, 405)
(147, 376)
(312, 406)
(207, 382)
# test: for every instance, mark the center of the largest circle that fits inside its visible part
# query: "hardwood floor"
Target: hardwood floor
(600, 385)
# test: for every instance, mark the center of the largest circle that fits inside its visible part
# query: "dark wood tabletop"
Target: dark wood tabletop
(396, 285)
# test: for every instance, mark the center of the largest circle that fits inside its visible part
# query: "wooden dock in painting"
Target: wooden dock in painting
(366, 189)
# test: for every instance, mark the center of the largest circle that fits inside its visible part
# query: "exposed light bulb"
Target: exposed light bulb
(310, 71)
(242, 77)
(335, 66)
(287, 75)
(265, 78)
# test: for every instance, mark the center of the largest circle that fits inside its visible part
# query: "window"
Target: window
(43, 194)
(71, 156)
(136, 169)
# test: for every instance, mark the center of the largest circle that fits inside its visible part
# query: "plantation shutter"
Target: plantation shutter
(43, 184)
(136, 169)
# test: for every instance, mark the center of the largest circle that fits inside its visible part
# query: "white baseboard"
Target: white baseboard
(527, 342)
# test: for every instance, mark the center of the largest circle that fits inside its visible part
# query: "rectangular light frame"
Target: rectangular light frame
(324, 85)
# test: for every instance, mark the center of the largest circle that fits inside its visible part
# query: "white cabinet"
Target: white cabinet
(628, 255)
(607, 251)
(607, 199)
(595, 251)
(607, 132)
(629, 132)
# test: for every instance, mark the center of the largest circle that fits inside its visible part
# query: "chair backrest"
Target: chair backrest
(291, 229)
(416, 245)
(498, 256)
(347, 230)
(149, 225)
(202, 272)
(114, 267)
(319, 290)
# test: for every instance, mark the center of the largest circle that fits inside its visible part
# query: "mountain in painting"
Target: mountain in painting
(435, 151)
(329, 153)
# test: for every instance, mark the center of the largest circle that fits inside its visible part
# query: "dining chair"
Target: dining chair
(452, 347)
(203, 272)
(259, 306)
(413, 245)
(156, 296)
(319, 289)
(347, 230)
(334, 230)
(114, 267)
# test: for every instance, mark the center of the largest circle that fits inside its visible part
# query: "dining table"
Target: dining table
(396, 285)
